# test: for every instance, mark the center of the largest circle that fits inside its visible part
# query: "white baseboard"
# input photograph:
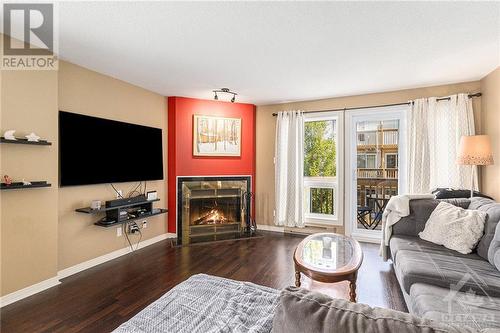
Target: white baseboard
(28, 291)
(110, 256)
(365, 239)
(270, 228)
(54, 281)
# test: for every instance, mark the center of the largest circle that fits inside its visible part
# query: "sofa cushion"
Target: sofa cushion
(443, 269)
(412, 243)
(454, 227)
(420, 210)
(300, 310)
(494, 250)
(492, 208)
(448, 306)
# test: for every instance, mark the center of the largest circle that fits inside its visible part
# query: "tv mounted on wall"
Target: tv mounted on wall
(95, 150)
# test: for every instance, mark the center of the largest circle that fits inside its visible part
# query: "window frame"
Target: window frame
(385, 160)
(366, 160)
(336, 183)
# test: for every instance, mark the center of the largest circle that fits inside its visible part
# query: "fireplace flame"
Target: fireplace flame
(215, 216)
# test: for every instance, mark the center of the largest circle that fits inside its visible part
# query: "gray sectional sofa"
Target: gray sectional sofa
(444, 285)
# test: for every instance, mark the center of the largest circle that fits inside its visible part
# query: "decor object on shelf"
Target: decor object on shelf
(225, 91)
(9, 135)
(26, 183)
(152, 195)
(7, 180)
(95, 204)
(32, 137)
(474, 150)
(216, 136)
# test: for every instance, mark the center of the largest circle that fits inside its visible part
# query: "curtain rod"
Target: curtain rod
(382, 105)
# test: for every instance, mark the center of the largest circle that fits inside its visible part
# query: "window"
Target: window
(391, 160)
(367, 161)
(320, 169)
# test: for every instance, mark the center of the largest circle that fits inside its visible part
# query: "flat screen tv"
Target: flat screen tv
(95, 151)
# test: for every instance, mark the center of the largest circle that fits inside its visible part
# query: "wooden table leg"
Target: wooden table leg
(297, 278)
(352, 290)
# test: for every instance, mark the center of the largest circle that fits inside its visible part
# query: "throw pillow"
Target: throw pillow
(491, 208)
(450, 193)
(455, 228)
(494, 251)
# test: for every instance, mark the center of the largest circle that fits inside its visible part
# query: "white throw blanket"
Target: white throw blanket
(397, 207)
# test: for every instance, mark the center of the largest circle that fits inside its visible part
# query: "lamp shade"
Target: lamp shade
(475, 150)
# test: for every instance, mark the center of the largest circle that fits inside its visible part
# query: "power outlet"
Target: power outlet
(133, 228)
(144, 224)
(119, 232)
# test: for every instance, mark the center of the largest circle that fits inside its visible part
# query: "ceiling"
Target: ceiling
(271, 52)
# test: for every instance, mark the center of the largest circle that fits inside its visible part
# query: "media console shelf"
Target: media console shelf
(124, 213)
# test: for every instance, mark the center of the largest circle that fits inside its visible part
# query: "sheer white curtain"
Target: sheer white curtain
(434, 132)
(289, 169)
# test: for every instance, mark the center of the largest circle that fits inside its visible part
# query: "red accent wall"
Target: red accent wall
(181, 161)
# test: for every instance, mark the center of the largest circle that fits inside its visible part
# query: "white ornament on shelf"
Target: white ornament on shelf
(32, 137)
(26, 183)
(9, 135)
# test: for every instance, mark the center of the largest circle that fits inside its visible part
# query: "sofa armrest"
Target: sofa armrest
(300, 310)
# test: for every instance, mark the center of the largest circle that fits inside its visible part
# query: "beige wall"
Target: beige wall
(490, 87)
(41, 233)
(87, 92)
(29, 216)
(265, 130)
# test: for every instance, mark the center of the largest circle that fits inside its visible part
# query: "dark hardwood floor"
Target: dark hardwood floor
(103, 297)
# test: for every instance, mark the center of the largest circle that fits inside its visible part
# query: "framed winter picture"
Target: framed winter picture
(216, 136)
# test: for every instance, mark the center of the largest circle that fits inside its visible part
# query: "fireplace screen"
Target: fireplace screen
(213, 209)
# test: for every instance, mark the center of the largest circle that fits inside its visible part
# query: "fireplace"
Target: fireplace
(213, 208)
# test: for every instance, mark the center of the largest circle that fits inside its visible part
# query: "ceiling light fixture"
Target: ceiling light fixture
(225, 91)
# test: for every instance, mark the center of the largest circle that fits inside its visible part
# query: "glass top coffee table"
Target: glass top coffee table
(329, 257)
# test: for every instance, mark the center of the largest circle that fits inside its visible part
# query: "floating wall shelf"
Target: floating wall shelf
(21, 141)
(19, 186)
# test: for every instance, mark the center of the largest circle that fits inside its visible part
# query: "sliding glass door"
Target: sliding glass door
(375, 162)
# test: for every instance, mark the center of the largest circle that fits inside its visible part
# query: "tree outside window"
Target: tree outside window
(320, 162)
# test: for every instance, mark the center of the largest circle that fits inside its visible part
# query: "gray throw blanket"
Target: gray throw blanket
(205, 303)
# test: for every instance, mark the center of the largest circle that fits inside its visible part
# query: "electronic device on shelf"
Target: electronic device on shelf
(125, 201)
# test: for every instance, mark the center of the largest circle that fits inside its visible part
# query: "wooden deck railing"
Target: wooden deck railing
(386, 137)
(388, 173)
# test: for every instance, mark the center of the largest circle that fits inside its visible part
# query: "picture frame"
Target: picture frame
(216, 136)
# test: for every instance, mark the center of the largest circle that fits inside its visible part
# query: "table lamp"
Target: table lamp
(474, 150)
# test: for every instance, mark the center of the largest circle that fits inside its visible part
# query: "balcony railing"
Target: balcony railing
(386, 137)
(388, 173)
